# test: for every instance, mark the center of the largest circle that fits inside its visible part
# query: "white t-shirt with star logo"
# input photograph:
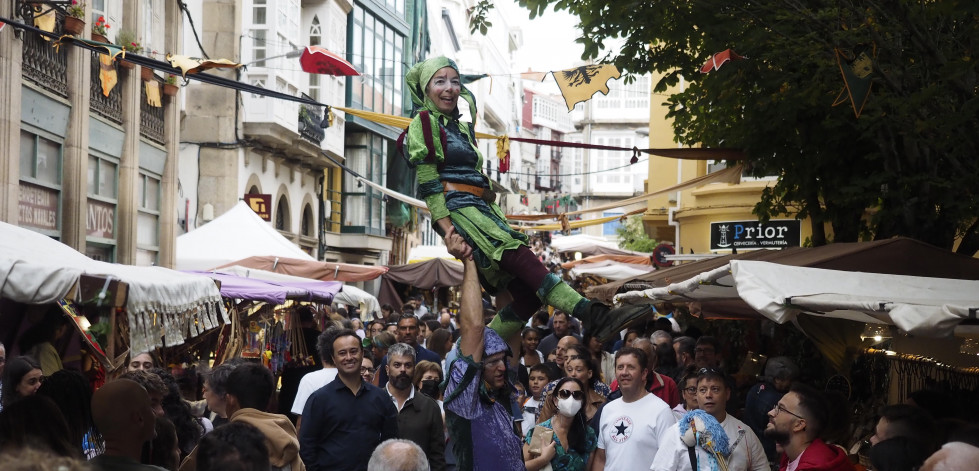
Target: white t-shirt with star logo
(630, 432)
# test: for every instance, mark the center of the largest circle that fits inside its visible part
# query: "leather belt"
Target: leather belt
(451, 186)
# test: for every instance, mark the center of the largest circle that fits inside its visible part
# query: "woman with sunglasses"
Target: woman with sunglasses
(573, 440)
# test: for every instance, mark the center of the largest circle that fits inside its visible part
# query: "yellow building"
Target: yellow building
(715, 217)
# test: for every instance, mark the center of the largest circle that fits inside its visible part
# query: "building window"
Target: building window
(148, 219)
(282, 214)
(364, 208)
(333, 196)
(39, 203)
(377, 50)
(101, 220)
(307, 227)
(315, 39)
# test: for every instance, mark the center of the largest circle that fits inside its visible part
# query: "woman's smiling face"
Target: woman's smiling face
(444, 88)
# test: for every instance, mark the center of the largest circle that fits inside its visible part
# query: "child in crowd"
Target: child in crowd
(540, 375)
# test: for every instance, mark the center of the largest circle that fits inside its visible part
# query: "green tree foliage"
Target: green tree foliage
(907, 166)
(633, 237)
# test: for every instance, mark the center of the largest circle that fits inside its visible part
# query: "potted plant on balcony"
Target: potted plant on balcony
(170, 86)
(75, 18)
(100, 29)
(128, 42)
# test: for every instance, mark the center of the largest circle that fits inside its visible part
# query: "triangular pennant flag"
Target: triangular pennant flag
(717, 60)
(856, 76)
(190, 65)
(153, 93)
(580, 83)
(44, 22)
(107, 74)
(535, 76)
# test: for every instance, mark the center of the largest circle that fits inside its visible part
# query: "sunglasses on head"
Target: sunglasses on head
(566, 393)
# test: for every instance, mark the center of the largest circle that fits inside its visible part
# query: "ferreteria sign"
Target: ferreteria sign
(729, 235)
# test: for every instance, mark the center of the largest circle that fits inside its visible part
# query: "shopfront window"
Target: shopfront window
(101, 220)
(39, 202)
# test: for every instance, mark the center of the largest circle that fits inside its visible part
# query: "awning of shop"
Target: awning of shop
(164, 307)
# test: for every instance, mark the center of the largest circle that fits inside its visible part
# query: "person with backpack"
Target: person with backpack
(462, 201)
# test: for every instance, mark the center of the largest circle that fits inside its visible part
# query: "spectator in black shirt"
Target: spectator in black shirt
(348, 417)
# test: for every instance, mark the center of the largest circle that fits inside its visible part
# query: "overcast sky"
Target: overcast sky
(548, 40)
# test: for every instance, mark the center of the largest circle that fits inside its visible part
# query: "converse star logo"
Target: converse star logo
(621, 429)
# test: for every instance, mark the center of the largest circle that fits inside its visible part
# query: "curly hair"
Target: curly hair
(236, 446)
(189, 429)
(36, 421)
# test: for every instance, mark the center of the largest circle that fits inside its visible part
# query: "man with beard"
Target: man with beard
(419, 417)
(477, 396)
(346, 419)
(795, 424)
(745, 451)
(408, 330)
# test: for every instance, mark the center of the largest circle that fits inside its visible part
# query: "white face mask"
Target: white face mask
(568, 407)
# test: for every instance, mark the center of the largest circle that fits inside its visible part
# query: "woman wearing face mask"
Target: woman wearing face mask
(427, 377)
(573, 439)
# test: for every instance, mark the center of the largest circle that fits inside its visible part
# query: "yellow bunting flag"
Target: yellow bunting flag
(153, 93)
(46, 21)
(192, 65)
(580, 83)
(107, 74)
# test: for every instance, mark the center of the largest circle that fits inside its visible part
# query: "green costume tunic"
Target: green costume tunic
(450, 154)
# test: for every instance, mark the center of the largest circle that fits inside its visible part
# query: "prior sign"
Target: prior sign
(729, 235)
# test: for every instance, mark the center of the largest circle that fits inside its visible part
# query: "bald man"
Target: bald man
(398, 455)
(122, 411)
(563, 345)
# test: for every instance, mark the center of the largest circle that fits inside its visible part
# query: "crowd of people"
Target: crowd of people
(457, 395)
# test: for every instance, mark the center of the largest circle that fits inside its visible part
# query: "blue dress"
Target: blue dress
(569, 460)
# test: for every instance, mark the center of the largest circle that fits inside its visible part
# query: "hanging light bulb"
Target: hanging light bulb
(970, 346)
(876, 332)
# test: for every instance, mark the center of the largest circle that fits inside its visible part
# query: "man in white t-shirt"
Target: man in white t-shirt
(631, 426)
(317, 379)
(746, 452)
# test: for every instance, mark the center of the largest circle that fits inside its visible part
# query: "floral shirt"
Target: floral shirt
(569, 460)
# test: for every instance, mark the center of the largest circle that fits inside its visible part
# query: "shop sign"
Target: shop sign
(101, 221)
(261, 204)
(728, 235)
(37, 207)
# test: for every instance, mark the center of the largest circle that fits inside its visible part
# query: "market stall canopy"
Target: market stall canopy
(895, 256)
(589, 245)
(921, 306)
(433, 273)
(630, 259)
(325, 271)
(164, 307)
(421, 253)
(350, 295)
(896, 281)
(275, 292)
(238, 233)
(611, 269)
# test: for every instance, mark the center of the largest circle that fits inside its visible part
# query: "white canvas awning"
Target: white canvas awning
(164, 307)
(611, 270)
(237, 234)
(589, 245)
(924, 306)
